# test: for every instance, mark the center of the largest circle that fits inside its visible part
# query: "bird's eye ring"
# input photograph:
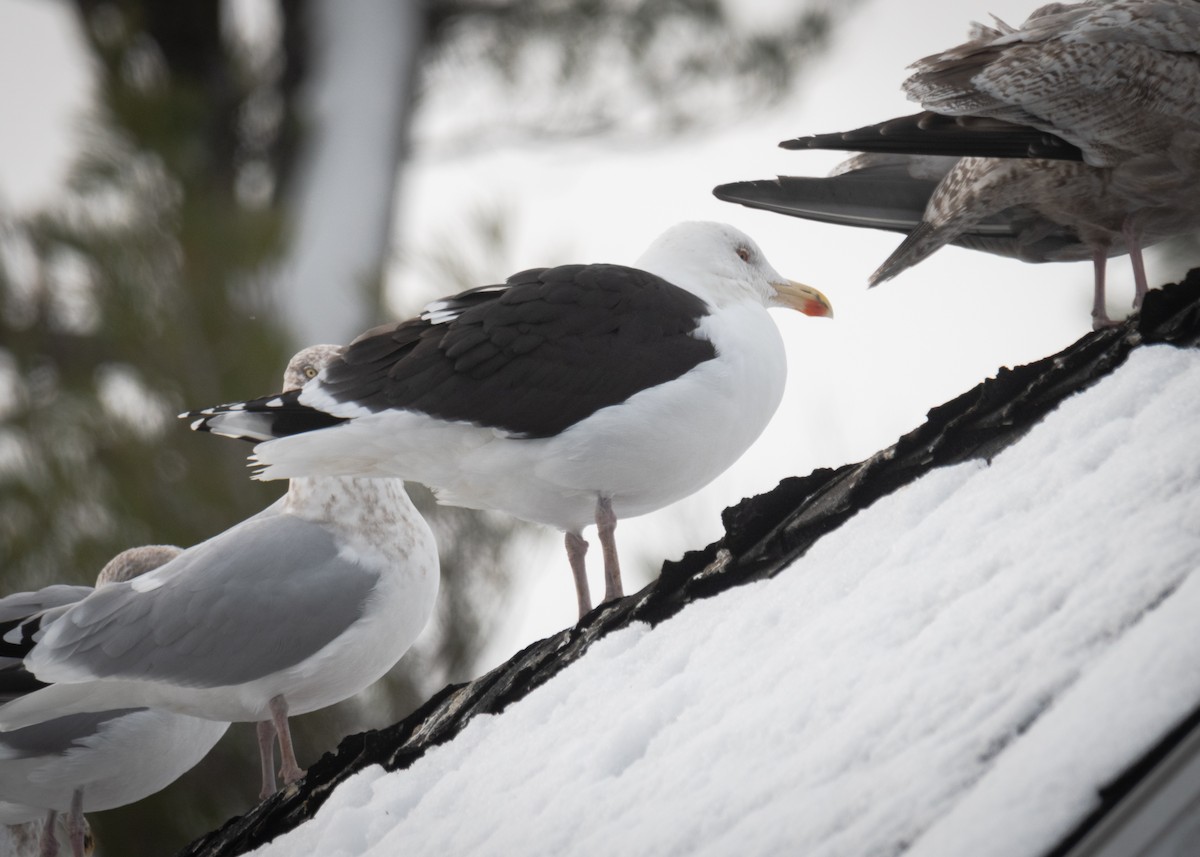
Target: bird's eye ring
(310, 372)
(744, 253)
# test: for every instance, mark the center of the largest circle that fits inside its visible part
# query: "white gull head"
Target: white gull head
(724, 266)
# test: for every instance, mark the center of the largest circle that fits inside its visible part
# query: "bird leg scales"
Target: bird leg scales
(576, 553)
(266, 757)
(1133, 244)
(289, 771)
(1100, 317)
(606, 526)
(48, 846)
(76, 826)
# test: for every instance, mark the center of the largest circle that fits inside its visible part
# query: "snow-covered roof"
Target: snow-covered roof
(949, 649)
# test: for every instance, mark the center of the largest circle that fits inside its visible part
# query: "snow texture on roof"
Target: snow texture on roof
(950, 648)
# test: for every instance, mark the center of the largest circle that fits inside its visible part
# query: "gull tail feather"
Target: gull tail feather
(261, 419)
(16, 681)
(890, 203)
(929, 133)
(920, 244)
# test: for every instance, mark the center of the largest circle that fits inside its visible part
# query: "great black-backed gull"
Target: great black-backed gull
(88, 762)
(294, 609)
(1098, 101)
(566, 396)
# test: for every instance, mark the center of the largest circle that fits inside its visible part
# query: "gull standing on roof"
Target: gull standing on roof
(1077, 134)
(294, 609)
(566, 396)
(87, 762)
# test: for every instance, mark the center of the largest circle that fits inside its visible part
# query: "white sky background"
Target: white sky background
(856, 383)
(45, 87)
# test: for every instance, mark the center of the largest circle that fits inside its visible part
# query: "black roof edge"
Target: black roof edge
(1086, 837)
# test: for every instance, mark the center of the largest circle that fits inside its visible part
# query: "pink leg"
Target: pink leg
(606, 526)
(266, 757)
(1133, 243)
(288, 769)
(77, 827)
(576, 551)
(49, 843)
(1100, 317)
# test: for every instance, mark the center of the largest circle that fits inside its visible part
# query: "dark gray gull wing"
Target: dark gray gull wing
(874, 196)
(891, 192)
(198, 621)
(552, 348)
(929, 133)
(530, 358)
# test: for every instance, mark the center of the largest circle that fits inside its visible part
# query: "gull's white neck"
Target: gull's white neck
(371, 515)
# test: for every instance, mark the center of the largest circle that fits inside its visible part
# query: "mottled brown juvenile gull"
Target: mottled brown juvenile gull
(1099, 105)
(81, 763)
(566, 396)
(294, 609)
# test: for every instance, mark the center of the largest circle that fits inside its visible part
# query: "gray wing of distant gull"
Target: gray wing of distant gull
(1116, 79)
(198, 620)
(890, 192)
(22, 616)
(1104, 82)
(929, 133)
(56, 737)
(21, 605)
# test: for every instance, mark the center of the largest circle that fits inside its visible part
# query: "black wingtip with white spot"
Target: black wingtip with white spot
(257, 420)
(18, 636)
